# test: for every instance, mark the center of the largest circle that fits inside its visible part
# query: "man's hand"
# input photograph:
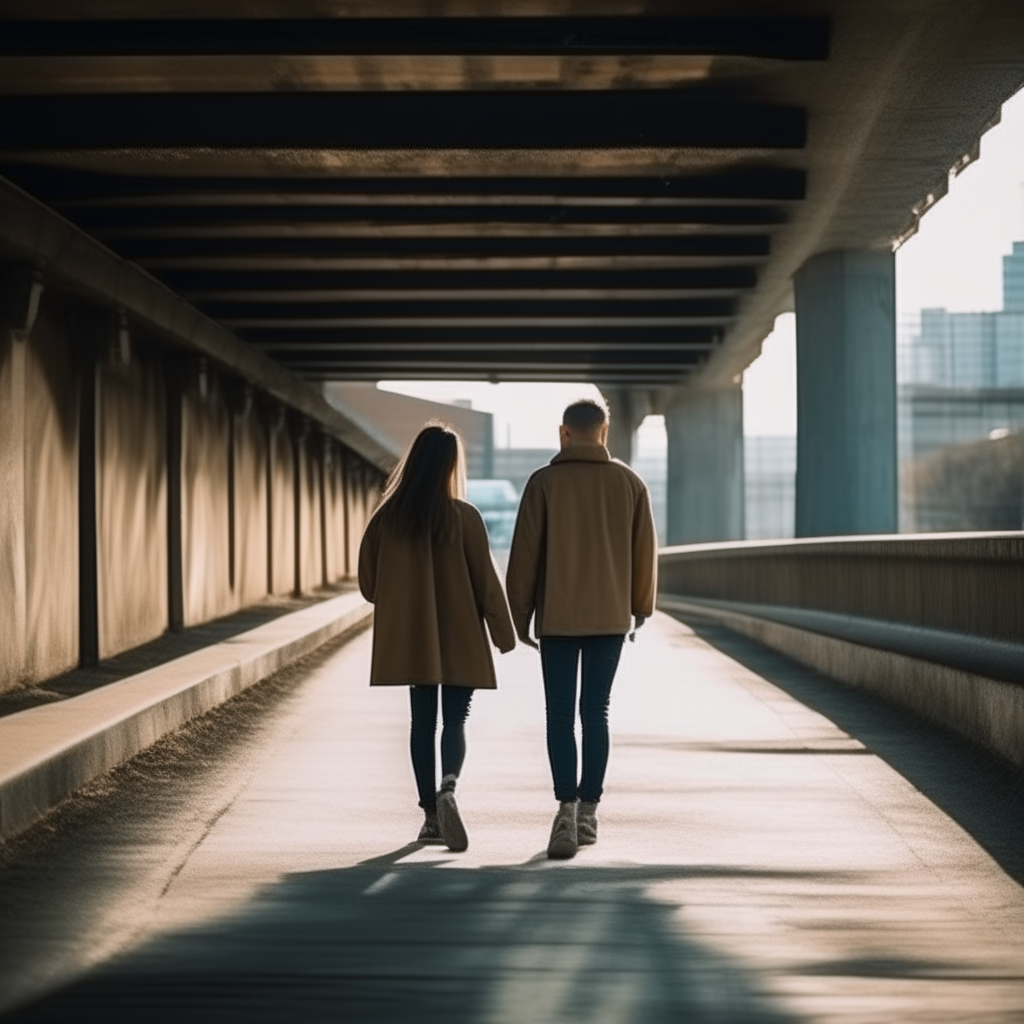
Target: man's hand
(530, 642)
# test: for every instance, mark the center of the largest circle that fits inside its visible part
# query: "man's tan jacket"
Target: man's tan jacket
(584, 554)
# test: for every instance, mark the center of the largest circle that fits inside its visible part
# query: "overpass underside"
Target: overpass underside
(205, 214)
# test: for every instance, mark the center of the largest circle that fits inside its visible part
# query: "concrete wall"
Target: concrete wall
(334, 515)
(38, 502)
(282, 509)
(361, 499)
(310, 547)
(131, 501)
(250, 501)
(205, 506)
(92, 415)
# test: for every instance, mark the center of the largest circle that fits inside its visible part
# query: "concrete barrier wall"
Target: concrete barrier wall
(38, 503)
(131, 502)
(962, 582)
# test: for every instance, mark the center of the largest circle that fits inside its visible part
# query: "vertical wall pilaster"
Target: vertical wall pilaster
(175, 547)
(88, 580)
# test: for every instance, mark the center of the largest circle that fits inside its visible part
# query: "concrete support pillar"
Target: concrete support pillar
(627, 409)
(846, 394)
(705, 465)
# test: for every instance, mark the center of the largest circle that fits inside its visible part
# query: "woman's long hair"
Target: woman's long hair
(419, 497)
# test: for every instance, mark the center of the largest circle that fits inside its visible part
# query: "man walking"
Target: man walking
(583, 566)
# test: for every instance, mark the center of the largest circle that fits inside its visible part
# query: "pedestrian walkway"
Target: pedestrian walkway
(755, 864)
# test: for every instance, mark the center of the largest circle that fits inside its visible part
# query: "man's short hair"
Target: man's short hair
(585, 416)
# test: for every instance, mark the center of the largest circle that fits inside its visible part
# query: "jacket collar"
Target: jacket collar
(582, 453)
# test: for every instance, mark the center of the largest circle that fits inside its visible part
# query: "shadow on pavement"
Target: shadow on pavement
(978, 790)
(422, 943)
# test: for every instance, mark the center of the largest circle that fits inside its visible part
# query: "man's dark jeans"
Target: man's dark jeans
(454, 711)
(560, 656)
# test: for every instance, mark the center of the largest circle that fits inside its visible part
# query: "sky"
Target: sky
(955, 261)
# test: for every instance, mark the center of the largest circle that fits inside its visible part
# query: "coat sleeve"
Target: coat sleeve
(524, 560)
(369, 548)
(490, 598)
(645, 555)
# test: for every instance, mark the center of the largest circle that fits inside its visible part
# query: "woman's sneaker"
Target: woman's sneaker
(586, 823)
(564, 841)
(453, 832)
(431, 831)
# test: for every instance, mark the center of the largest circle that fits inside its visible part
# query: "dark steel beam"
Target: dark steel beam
(301, 312)
(756, 183)
(780, 38)
(201, 284)
(526, 120)
(457, 246)
(307, 216)
(483, 338)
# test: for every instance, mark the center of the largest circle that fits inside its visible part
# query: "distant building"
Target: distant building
(517, 464)
(961, 381)
(769, 468)
(401, 417)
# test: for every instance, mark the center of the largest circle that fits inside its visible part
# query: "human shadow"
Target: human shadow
(982, 792)
(389, 942)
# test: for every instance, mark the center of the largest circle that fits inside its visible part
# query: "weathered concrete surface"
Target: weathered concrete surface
(39, 503)
(282, 510)
(51, 499)
(756, 863)
(205, 506)
(131, 489)
(48, 752)
(250, 465)
(310, 550)
(334, 516)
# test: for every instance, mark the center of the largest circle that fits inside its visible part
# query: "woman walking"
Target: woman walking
(426, 565)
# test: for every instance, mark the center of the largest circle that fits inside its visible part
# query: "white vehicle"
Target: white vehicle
(498, 502)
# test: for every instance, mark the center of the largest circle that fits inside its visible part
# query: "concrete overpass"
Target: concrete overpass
(624, 196)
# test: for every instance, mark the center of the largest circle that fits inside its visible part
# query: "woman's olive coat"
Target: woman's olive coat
(431, 601)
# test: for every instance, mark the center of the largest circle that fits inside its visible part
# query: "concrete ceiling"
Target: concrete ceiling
(612, 192)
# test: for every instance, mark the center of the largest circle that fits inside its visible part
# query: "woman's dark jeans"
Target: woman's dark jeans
(454, 711)
(559, 657)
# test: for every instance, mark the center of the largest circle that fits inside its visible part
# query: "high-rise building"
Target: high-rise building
(961, 384)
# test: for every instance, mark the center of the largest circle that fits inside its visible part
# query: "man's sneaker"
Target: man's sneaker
(453, 832)
(586, 823)
(431, 831)
(564, 842)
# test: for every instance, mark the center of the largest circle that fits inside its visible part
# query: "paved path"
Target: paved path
(756, 864)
